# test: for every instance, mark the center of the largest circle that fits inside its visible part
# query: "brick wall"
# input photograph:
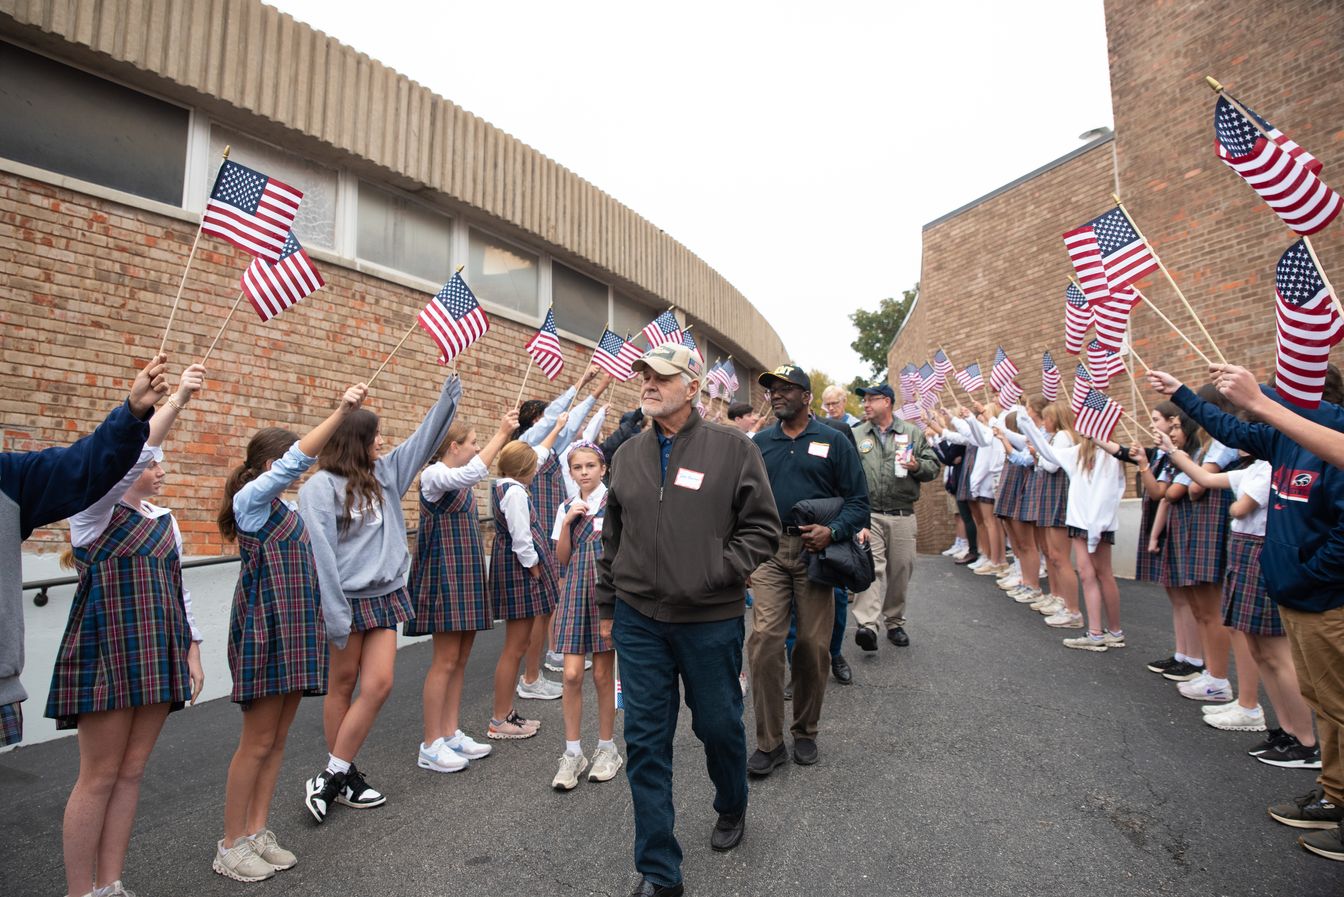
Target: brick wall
(981, 286)
(89, 285)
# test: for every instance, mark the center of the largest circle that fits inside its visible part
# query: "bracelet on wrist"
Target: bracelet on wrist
(180, 406)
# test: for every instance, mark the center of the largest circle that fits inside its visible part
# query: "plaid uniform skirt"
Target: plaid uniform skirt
(1008, 498)
(574, 628)
(126, 642)
(964, 484)
(448, 583)
(1246, 606)
(381, 611)
(277, 639)
(11, 723)
(1052, 502)
(1076, 533)
(547, 491)
(514, 593)
(1195, 550)
(1147, 565)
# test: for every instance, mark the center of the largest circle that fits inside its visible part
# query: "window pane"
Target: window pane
(503, 274)
(64, 120)
(403, 235)
(629, 316)
(315, 225)
(580, 302)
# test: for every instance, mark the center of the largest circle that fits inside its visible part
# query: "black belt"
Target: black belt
(899, 512)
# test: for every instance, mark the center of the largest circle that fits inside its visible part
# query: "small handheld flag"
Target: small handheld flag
(1003, 370)
(1049, 378)
(970, 377)
(662, 329)
(1307, 326)
(1082, 385)
(1078, 316)
(1098, 417)
(272, 288)
(1105, 364)
(544, 348)
(252, 211)
(614, 355)
(1111, 316)
(1108, 253)
(454, 319)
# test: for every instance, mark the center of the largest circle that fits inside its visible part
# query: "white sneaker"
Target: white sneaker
(567, 776)
(465, 746)
(240, 862)
(962, 554)
(440, 758)
(555, 662)
(1026, 595)
(1113, 639)
(1008, 583)
(1208, 709)
(979, 562)
(1087, 642)
(1202, 688)
(1237, 719)
(1042, 572)
(606, 763)
(1064, 620)
(992, 570)
(1054, 606)
(541, 690)
(948, 552)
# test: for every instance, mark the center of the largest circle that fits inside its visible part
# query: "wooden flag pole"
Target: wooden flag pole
(1138, 390)
(397, 348)
(1306, 241)
(236, 303)
(1171, 280)
(172, 312)
(527, 372)
(1157, 311)
(954, 373)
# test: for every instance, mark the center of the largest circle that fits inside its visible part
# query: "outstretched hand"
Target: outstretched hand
(1163, 382)
(150, 385)
(354, 397)
(1237, 384)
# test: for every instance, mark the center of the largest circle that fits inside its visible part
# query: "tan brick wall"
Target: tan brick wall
(995, 273)
(88, 288)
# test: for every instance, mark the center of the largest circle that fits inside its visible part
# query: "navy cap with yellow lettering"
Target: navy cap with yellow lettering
(786, 373)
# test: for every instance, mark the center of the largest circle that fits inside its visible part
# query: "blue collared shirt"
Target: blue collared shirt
(664, 448)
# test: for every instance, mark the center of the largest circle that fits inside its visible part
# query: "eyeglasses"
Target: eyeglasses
(782, 390)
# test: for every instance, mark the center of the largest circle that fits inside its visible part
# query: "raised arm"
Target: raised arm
(405, 461)
(1316, 435)
(1187, 465)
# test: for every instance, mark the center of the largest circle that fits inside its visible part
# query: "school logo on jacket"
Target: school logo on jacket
(1294, 485)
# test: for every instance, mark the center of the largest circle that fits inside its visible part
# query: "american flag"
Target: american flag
(970, 377)
(272, 288)
(1049, 378)
(1111, 316)
(909, 382)
(614, 355)
(689, 342)
(1078, 316)
(1010, 393)
(910, 411)
(1307, 326)
(1003, 370)
(928, 378)
(545, 348)
(928, 399)
(1085, 254)
(1082, 385)
(1098, 417)
(662, 329)
(942, 365)
(712, 383)
(454, 319)
(1105, 364)
(723, 376)
(251, 211)
(1123, 255)
(1284, 174)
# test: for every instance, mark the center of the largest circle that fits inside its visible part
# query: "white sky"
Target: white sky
(797, 148)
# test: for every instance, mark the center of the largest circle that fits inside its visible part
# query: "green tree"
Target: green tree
(878, 328)
(820, 381)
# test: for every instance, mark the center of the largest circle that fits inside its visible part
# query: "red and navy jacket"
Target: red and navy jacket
(1303, 557)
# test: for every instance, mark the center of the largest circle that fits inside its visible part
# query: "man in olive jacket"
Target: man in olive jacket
(887, 443)
(689, 516)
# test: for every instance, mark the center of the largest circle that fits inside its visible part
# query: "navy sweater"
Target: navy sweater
(1303, 557)
(38, 488)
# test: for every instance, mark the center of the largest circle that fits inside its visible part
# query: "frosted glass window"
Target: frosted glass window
(315, 225)
(403, 235)
(580, 302)
(501, 273)
(629, 316)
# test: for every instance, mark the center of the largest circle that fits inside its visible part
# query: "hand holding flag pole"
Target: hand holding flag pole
(172, 312)
(1171, 280)
(954, 367)
(398, 346)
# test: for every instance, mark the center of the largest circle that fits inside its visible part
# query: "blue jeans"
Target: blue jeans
(837, 632)
(707, 658)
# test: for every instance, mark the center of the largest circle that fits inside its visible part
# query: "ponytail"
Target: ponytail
(267, 445)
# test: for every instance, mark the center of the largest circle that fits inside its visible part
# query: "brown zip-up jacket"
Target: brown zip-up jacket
(679, 549)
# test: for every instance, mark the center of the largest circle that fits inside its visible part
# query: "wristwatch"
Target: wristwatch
(835, 534)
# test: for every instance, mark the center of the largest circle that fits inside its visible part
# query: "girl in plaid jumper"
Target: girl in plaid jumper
(129, 655)
(277, 643)
(448, 586)
(523, 582)
(575, 630)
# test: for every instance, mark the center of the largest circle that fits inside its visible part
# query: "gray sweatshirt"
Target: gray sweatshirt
(370, 556)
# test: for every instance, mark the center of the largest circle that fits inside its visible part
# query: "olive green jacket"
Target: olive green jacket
(877, 454)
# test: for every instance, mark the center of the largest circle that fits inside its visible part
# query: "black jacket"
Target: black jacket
(846, 565)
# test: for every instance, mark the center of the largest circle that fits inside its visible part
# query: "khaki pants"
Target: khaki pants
(883, 602)
(1318, 653)
(776, 585)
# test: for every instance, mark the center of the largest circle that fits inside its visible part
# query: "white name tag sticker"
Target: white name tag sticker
(820, 449)
(689, 479)
(597, 524)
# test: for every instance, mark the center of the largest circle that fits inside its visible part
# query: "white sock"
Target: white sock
(607, 744)
(1194, 661)
(1180, 658)
(1253, 711)
(455, 740)
(432, 746)
(1119, 633)
(335, 765)
(574, 748)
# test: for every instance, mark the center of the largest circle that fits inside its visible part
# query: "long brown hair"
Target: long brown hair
(1060, 413)
(265, 446)
(459, 431)
(346, 454)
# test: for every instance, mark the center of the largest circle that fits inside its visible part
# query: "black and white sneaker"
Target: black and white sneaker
(1161, 666)
(1272, 737)
(1290, 753)
(1311, 810)
(1182, 672)
(357, 792)
(320, 793)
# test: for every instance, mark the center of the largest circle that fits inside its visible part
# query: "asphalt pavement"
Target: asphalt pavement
(984, 759)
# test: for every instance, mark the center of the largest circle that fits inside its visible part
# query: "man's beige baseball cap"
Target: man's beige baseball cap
(671, 359)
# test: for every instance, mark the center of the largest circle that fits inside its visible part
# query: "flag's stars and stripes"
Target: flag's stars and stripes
(1111, 316)
(970, 377)
(1307, 326)
(1284, 174)
(689, 342)
(1049, 378)
(1082, 385)
(454, 319)
(1078, 316)
(942, 365)
(544, 347)
(272, 288)
(1105, 364)
(252, 211)
(1002, 371)
(615, 356)
(1098, 416)
(662, 329)
(1108, 253)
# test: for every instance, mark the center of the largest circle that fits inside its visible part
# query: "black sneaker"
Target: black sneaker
(1182, 672)
(1290, 753)
(762, 763)
(1161, 666)
(357, 792)
(1311, 810)
(1328, 843)
(1272, 737)
(321, 791)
